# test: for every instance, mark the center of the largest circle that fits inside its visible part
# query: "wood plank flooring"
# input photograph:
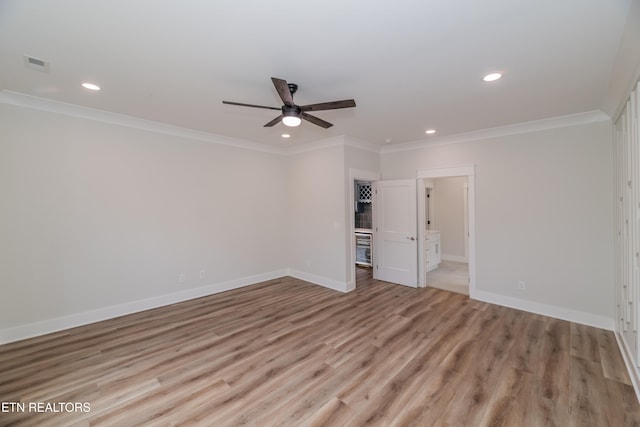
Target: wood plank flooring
(288, 353)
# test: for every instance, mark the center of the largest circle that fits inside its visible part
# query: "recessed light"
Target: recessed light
(387, 140)
(90, 86)
(430, 131)
(286, 135)
(492, 77)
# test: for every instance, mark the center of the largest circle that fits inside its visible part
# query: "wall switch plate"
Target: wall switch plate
(181, 278)
(521, 285)
(202, 274)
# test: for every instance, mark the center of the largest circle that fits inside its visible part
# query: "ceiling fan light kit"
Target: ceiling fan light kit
(292, 114)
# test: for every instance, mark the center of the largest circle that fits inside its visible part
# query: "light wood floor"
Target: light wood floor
(287, 353)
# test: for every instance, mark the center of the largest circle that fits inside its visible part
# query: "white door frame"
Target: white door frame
(355, 175)
(465, 198)
(470, 173)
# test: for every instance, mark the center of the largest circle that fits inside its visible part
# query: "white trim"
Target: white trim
(422, 231)
(361, 144)
(44, 104)
(322, 281)
(628, 362)
(513, 129)
(465, 231)
(336, 141)
(447, 171)
(30, 330)
(341, 140)
(589, 319)
(72, 110)
(78, 111)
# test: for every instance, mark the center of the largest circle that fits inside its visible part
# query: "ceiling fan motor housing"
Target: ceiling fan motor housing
(291, 110)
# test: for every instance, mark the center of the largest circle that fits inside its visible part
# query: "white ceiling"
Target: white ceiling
(409, 64)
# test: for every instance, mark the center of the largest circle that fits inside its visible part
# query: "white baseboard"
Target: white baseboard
(78, 319)
(562, 313)
(455, 258)
(322, 281)
(630, 365)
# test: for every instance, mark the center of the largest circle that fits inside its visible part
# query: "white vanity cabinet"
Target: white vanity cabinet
(433, 255)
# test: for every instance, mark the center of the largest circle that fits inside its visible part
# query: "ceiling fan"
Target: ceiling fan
(292, 114)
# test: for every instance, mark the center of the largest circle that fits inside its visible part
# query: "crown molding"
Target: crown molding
(341, 140)
(514, 129)
(72, 110)
(316, 145)
(361, 144)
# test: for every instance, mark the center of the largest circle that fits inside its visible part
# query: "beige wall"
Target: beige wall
(543, 213)
(96, 216)
(100, 219)
(449, 197)
(316, 225)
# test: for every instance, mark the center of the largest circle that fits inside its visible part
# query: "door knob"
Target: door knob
(411, 238)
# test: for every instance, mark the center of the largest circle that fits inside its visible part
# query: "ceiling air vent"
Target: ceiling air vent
(36, 64)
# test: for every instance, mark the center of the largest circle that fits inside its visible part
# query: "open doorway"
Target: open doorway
(446, 213)
(360, 231)
(363, 231)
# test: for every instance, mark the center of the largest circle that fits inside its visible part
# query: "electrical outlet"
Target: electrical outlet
(181, 278)
(521, 285)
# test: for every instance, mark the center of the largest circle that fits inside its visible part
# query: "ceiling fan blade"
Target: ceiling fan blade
(250, 105)
(316, 121)
(274, 121)
(334, 105)
(283, 90)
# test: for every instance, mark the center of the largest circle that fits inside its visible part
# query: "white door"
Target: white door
(396, 232)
